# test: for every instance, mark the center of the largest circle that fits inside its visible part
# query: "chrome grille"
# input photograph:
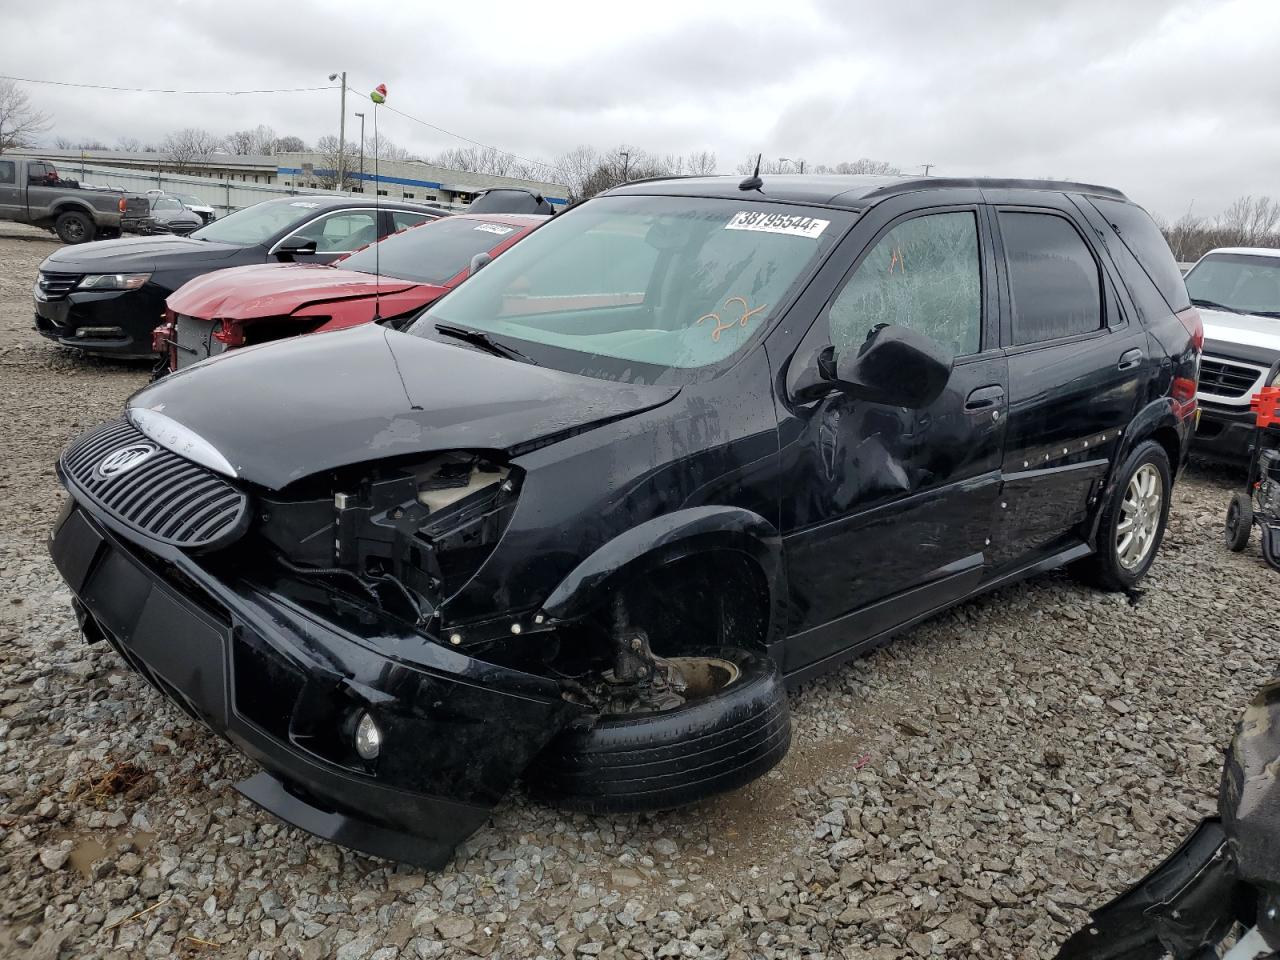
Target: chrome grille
(160, 494)
(1225, 379)
(55, 286)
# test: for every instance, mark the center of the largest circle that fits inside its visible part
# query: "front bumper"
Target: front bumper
(1224, 433)
(260, 665)
(111, 322)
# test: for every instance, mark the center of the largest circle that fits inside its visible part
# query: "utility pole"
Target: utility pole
(342, 128)
(798, 163)
(626, 159)
(928, 167)
(361, 116)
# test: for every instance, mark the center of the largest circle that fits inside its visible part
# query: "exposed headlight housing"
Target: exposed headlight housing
(368, 738)
(113, 281)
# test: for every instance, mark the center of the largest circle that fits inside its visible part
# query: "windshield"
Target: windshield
(432, 252)
(258, 223)
(166, 203)
(1237, 281)
(189, 199)
(636, 288)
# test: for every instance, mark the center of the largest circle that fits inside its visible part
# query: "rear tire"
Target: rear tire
(1239, 522)
(1271, 546)
(656, 761)
(74, 227)
(1119, 563)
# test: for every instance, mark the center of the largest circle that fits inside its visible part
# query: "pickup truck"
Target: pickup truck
(32, 192)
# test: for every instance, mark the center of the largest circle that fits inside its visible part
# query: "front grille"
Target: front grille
(55, 286)
(1223, 378)
(161, 494)
(195, 340)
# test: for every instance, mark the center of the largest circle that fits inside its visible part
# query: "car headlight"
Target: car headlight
(113, 281)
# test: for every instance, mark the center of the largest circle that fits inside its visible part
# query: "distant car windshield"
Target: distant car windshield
(189, 199)
(643, 288)
(1240, 282)
(431, 252)
(166, 203)
(259, 223)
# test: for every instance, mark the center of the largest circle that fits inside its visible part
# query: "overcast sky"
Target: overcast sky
(1173, 101)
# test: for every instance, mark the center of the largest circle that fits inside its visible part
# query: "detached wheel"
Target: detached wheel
(1133, 521)
(734, 726)
(1239, 522)
(73, 227)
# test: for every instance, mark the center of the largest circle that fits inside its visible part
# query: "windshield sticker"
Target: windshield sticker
(747, 313)
(495, 228)
(787, 224)
(304, 203)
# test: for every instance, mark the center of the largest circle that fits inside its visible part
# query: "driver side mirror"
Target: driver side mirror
(894, 366)
(291, 247)
(477, 262)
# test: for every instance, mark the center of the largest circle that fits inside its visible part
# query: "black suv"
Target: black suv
(581, 521)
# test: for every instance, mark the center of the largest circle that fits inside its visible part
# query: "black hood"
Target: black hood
(137, 255)
(287, 410)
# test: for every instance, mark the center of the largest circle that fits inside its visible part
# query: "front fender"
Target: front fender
(666, 538)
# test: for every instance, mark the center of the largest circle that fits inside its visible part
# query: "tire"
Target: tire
(1271, 546)
(1107, 568)
(656, 761)
(1239, 523)
(74, 227)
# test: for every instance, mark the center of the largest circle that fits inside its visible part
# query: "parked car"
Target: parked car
(256, 304)
(191, 202)
(32, 192)
(511, 200)
(106, 298)
(1238, 292)
(582, 520)
(170, 215)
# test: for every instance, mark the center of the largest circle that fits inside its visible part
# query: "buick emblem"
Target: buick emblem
(126, 458)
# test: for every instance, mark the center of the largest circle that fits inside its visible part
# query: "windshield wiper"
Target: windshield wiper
(481, 339)
(1213, 305)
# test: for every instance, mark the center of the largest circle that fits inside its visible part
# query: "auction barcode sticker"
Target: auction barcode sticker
(495, 228)
(788, 224)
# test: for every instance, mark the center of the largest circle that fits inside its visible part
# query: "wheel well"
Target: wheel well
(1167, 437)
(70, 208)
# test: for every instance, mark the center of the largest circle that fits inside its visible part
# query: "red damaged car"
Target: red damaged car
(255, 304)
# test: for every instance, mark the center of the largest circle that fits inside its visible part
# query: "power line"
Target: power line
(99, 86)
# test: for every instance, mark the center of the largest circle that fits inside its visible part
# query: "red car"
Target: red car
(254, 304)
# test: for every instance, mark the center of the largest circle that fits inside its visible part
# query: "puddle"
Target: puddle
(89, 850)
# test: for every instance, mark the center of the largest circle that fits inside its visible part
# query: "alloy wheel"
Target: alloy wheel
(1139, 517)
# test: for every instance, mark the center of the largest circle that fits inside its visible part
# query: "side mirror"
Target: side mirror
(477, 262)
(291, 247)
(894, 366)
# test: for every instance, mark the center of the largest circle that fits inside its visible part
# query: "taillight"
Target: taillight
(230, 333)
(1190, 318)
(122, 204)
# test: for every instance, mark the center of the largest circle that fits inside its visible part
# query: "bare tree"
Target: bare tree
(1248, 222)
(384, 148)
(190, 148)
(326, 172)
(861, 166)
(574, 167)
(748, 166)
(290, 144)
(129, 144)
(700, 163)
(20, 123)
(66, 143)
(260, 140)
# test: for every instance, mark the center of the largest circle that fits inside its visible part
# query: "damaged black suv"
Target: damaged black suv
(582, 521)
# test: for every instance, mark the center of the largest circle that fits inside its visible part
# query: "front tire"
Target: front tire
(1133, 521)
(74, 227)
(1239, 523)
(670, 758)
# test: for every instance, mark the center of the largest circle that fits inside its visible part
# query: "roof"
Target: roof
(329, 201)
(514, 219)
(1247, 251)
(854, 191)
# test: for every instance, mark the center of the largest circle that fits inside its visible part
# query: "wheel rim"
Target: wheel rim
(1139, 517)
(75, 229)
(700, 678)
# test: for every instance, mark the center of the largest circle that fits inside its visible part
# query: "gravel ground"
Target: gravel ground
(968, 791)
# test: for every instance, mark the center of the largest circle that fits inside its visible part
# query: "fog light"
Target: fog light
(368, 738)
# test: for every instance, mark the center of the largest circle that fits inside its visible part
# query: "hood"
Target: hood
(1242, 329)
(137, 255)
(286, 410)
(278, 289)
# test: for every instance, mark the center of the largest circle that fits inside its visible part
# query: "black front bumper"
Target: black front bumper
(110, 322)
(1224, 433)
(284, 684)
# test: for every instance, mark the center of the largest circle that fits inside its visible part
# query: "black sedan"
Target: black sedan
(107, 297)
(170, 215)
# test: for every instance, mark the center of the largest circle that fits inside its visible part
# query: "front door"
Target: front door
(1075, 366)
(12, 202)
(886, 511)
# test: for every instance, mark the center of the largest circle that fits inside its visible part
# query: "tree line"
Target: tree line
(1248, 222)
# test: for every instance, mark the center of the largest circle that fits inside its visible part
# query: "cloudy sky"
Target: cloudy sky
(1173, 101)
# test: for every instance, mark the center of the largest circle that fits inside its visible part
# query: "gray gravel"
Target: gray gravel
(968, 791)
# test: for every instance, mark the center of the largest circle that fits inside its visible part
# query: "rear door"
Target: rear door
(1076, 364)
(12, 204)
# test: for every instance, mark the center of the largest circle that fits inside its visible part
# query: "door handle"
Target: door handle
(1130, 359)
(984, 398)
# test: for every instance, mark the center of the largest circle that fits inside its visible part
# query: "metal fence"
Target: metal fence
(224, 196)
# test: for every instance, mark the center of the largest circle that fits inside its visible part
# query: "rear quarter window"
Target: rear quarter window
(1140, 235)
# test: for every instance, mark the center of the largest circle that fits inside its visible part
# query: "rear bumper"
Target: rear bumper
(284, 684)
(111, 322)
(1224, 433)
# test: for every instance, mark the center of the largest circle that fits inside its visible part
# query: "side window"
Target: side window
(7, 171)
(403, 218)
(342, 232)
(1147, 244)
(1052, 276)
(923, 274)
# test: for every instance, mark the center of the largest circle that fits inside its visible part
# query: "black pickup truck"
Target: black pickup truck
(32, 192)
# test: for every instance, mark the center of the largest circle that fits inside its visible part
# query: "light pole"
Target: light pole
(342, 127)
(799, 163)
(361, 116)
(626, 158)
